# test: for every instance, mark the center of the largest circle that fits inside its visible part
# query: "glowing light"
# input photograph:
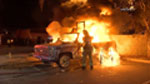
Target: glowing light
(105, 11)
(70, 3)
(78, 1)
(110, 57)
(98, 30)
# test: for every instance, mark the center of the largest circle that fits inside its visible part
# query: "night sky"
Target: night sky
(24, 13)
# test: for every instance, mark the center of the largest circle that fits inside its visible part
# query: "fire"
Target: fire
(99, 30)
(69, 38)
(54, 30)
(78, 1)
(109, 58)
(105, 11)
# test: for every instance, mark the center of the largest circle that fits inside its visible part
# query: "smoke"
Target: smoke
(121, 21)
(72, 11)
(68, 21)
(84, 8)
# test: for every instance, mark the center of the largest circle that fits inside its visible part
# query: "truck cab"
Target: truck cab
(60, 52)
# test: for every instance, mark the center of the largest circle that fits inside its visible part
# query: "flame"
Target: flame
(105, 11)
(69, 38)
(78, 1)
(98, 30)
(109, 58)
(54, 30)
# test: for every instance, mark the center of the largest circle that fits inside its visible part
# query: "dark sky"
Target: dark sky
(27, 13)
(23, 14)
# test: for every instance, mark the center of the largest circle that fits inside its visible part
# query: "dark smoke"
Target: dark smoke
(67, 15)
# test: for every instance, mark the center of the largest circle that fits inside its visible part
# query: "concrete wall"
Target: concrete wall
(131, 45)
(148, 47)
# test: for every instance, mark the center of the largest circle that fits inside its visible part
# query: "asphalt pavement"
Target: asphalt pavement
(31, 71)
(23, 68)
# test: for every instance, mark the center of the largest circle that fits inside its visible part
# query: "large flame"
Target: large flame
(110, 57)
(98, 29)
(54, 30)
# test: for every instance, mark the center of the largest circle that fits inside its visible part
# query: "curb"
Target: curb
(138, 60)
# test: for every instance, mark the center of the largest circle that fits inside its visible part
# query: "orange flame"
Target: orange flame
(78, 1)
(98, 30)
(105, 11)
(54, 30)
(110, 57)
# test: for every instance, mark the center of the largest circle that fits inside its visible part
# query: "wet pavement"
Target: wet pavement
(25, 69)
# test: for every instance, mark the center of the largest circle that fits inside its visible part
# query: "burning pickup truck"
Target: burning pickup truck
(69, 46)
(60, 52)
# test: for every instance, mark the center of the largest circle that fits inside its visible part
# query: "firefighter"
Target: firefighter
(87, 50)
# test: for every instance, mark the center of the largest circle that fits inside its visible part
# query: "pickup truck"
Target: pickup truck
(59, 52)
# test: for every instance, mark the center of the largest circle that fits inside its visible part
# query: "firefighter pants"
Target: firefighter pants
(85, 54)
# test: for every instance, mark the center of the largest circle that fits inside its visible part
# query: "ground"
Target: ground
(23, 68)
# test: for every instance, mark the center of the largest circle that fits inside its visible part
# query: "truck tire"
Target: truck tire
(64, 61)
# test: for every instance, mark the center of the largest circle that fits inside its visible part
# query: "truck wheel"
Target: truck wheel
(64, 60)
